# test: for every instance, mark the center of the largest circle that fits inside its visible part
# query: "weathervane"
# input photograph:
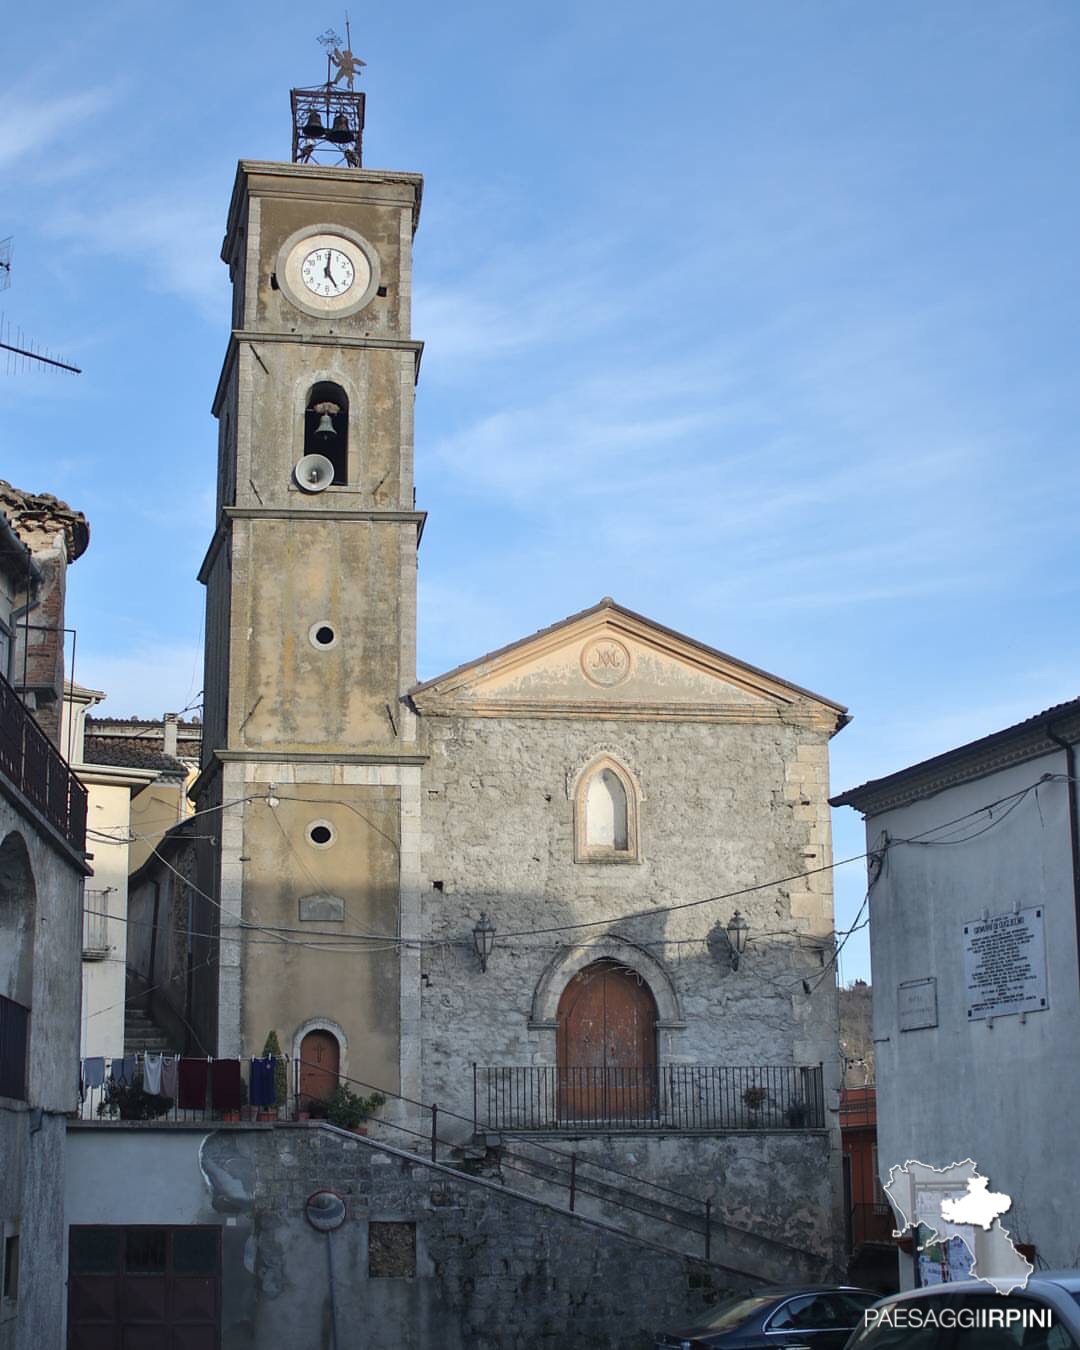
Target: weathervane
(348, 65)
(328, 120)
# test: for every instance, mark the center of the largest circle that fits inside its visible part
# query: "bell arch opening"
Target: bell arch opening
(326, 426)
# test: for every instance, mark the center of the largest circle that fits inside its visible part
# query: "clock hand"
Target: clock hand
(326, 270)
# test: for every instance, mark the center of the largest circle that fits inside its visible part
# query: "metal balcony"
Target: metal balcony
(37, 769)
(672, 1097)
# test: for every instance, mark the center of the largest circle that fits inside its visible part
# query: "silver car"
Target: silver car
(970, 1315)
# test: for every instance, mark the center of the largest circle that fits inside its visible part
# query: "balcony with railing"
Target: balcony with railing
(36, 768)
(95, 943)
(683, 1097)
(14, 1040)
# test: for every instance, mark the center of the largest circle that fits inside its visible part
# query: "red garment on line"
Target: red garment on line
(193, 1074)
(225, 1084)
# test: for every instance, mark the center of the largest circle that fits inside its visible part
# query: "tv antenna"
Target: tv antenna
(21, 352)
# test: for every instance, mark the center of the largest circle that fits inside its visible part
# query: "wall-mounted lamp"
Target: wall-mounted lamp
(736, 932)
(483, 936)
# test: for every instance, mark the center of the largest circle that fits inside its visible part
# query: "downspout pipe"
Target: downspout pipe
(1074, 826)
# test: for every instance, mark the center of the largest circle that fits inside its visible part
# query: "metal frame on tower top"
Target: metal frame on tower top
(326, 120)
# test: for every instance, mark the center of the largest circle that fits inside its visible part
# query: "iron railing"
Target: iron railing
(14, 1039)
(667, 1097)
(35, 766)
(95, 942)
(580, 1178)
(120, 1099)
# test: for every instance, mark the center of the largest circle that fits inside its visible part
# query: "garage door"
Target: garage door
(144, 1288)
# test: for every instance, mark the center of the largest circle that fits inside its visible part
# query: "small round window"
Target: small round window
(322, 635)
(320, 834)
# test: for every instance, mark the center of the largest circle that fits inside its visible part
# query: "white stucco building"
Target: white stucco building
(975, 949)
(134, 793)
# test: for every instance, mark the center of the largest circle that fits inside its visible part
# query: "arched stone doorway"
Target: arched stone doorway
(606, 1046)
(320, 1067)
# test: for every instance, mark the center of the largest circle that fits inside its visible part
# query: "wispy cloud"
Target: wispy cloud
(52, 120)
(172, 237)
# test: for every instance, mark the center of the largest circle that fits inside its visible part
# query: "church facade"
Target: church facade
(578, 888)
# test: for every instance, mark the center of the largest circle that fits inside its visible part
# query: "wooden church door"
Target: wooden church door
(320, 1064)
(607, 1046)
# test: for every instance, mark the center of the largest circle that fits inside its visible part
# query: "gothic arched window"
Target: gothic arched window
(326, 427)
(606, 814)
(605, 811)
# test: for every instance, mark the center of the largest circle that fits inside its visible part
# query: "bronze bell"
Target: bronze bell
(325, 430)
(313, 127)
(340, 133)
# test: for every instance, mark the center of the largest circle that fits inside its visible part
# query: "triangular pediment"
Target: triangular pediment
(610, 662)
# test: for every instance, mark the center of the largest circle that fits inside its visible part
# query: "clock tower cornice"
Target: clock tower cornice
(255, 337)
(315, 183)
(343, 515)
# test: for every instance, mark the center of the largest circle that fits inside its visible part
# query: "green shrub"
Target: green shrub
(348, 1110)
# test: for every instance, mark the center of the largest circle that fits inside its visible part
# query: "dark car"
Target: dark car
(805, 1317)
(1044, 1315)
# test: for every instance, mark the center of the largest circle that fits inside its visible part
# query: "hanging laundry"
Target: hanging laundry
(225, 1084)
(191, 1076)
(262, 1082)
(94, 1071)
(168, 1076)
(123, 1071)
(151, 1067)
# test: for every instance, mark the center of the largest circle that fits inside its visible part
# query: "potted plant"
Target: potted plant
(130, 1102)
(243, 1111)
(797, 1114)
(347, 1109)
(754, 1098)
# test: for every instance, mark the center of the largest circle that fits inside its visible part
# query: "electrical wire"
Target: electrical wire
(341, 943)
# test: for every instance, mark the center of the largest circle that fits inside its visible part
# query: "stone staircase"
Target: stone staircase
(142, 1034)
(639, 1211)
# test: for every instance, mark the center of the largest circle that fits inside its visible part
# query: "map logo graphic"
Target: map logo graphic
(954, 1205)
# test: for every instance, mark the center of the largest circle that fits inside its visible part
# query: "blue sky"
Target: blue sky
(760, 317)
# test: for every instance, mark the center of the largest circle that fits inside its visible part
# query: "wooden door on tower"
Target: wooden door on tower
(320, 1065)
(607, 1046)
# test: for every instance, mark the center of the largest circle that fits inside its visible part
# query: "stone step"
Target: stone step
(142, 1034)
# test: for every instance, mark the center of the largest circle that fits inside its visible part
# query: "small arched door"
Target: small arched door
(320, 1065)
(607, 1046)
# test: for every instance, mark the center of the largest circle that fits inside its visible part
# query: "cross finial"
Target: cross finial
(340, 55)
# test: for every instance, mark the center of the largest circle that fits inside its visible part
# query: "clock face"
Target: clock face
(327, 272)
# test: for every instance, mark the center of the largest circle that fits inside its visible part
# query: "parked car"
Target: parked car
(926, 1319)
(805, 1317)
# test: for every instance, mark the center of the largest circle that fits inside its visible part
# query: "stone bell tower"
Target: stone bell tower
(311, 613)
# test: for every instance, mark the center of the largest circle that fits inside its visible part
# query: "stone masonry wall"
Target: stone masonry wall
(40, 894)
(723, 807)
(424, 1257)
